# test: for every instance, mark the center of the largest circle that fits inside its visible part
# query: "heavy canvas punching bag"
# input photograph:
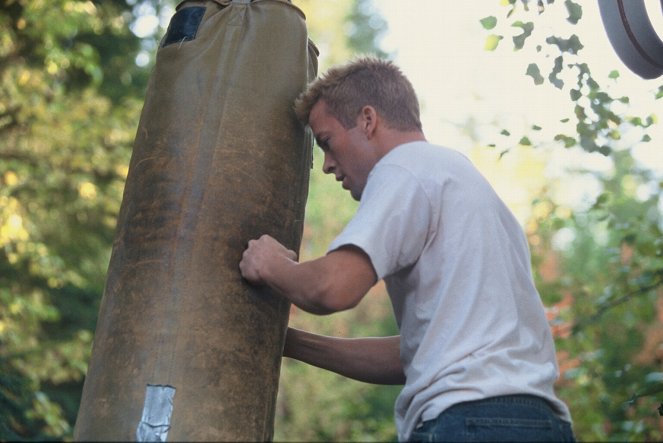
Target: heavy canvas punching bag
(185, 350)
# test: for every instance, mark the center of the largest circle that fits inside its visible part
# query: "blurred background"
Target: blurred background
(531, 91)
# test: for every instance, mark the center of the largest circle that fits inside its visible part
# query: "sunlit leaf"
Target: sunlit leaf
(491, 42)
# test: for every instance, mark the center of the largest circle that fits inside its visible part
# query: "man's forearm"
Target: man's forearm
(303, 284)
(332, 283)
(371, 360)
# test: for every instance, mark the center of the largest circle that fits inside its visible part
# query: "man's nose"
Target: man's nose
(328, 165)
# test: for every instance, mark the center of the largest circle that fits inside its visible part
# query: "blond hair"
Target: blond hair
(365, 81)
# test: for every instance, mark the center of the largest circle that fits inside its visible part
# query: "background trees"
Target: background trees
(604, 259)
(69, 97)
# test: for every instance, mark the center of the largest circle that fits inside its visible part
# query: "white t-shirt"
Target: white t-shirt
(457, 268)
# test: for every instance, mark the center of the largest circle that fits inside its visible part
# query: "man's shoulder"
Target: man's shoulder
(422, 158)
(421, 152)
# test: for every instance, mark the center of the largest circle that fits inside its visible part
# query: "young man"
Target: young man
(475, 353)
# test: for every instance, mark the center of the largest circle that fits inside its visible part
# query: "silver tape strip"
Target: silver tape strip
(157, 409)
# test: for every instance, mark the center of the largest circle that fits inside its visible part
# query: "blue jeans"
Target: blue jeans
(507, 418)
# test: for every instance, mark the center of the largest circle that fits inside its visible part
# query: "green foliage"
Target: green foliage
(612, 270)
(596, 113)
(606, 283)
(519, 40)
(574, 10)
(488, 22)
(66, 130)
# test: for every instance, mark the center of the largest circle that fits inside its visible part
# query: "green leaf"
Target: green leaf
(525, 141)
(505, 132)
(568, 141)
(519, 40)
(491, 42)
(575, 95)
(646, 138)
(536, 127)
(574, 10)
(659, 94)
(613, 74)
(602, 199)
(488, 22)
(534, 72)
(552, 77)
(572, 45)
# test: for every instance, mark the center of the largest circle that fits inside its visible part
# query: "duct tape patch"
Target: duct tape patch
(157, 409)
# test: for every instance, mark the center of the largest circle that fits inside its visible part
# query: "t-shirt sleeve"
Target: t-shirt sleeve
(392, 223)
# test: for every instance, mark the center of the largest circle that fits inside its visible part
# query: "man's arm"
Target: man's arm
(335, 282)
(371, 360)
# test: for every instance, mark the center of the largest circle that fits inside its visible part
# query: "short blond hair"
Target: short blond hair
(346, 89)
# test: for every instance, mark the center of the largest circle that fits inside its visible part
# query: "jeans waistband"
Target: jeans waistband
(515, 399)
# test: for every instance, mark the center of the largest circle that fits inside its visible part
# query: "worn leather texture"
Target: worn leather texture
(219, 158)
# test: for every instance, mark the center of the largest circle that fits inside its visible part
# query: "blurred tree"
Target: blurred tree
(66, 126)
(72, 76)
(604, 262)
(605, 292)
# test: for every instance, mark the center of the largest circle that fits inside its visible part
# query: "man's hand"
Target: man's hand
(260, 255)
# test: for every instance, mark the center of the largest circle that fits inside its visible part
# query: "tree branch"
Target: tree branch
(603, 307)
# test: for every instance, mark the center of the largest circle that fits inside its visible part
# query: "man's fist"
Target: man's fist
(260, 255)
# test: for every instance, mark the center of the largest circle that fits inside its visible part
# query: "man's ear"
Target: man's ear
(368, 120)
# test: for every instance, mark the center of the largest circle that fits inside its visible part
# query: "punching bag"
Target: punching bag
(185, 349)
